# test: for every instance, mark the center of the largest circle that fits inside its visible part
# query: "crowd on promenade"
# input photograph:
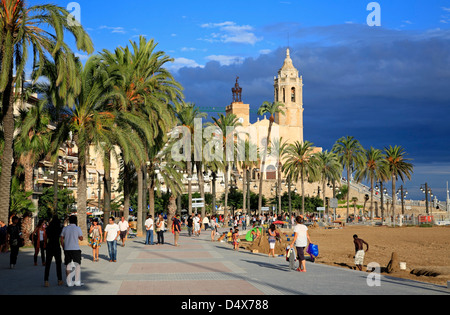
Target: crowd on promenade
(51, 239)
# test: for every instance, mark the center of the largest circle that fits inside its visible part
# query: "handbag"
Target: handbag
(313, 249)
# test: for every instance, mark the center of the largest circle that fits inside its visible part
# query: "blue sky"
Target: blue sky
(384, 85)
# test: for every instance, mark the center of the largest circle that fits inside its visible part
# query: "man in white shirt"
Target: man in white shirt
(301, 240)
(70, 236)
(196, 221)
(149, 227)
(123, 227)
(112, 231)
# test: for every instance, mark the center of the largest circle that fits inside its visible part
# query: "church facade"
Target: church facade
(288, 90)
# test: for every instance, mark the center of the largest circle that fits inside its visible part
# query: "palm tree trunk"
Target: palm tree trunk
(225, 212)
(201, 184)
(289, 198)
(393, 199)
(81, 193)
(140, 219)
(279, 189)
(244, 195)
(348, 191)
(213, 187)
(303, 193)
(371, 198)
(8, 151)
(151, 198)
(189, 169)
(107, 183)
(263, 165)
(126, 191)
(324, 198)
(55, 186)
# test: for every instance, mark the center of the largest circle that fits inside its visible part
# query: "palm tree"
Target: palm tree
(247, 163)
(371, 170)
(300, 164)
(329, 169)
(33, 140)
(23, 26)
(279, 149)
(187, 116)
(147, 94)
(89, 125)
(351, 156)
(397, 166)
(271, 109)
(225, 123)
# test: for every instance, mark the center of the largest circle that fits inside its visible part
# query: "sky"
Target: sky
(386, 84)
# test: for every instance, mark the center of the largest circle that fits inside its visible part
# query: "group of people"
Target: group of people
(113, 233)
(151, 226)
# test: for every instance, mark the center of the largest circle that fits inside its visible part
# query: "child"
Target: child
(236, 239)
(230, 236)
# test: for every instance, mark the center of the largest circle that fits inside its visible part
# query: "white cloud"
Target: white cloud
(226, 60)
(183, 62)
(113, 29)
(230, 32)
(265, 51)
(81, 56)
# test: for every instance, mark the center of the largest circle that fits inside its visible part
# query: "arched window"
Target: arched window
(293, 94)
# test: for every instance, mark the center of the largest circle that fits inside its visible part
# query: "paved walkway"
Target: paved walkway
(198, 267)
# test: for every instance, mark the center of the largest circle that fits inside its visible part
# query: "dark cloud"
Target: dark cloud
(384, 87)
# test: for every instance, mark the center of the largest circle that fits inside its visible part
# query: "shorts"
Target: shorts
(123, 234)
(72, 255)
(300, 253)
(359, 257)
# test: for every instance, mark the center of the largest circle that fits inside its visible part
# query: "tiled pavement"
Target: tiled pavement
(198, 267)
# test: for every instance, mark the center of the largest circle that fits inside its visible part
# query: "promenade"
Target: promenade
(196, 268)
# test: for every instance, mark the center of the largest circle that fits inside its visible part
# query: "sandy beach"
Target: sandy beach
(425, 250)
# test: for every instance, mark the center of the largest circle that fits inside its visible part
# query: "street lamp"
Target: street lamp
(424, 188)
(403, 192)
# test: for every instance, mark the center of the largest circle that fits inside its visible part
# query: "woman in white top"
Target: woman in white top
(160, 228)
(39, 238)
(301, 240)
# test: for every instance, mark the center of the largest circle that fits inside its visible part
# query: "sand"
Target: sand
(425, 250)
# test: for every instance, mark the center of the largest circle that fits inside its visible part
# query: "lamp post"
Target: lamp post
(426, 190)
(403, 193)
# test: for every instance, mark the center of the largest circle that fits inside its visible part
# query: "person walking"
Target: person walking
(39, 239)
(53, 250)
(197, 228)
(124, 228)
(160, 228)
(70, 236)
(205, 222)
(213, 228)
(359, 251)
(149, 228)
(15, 240)
(3, 233)
(300, 240)
(176, 229)
(112, 232)
(272, 239)
(189, 224)
(95, 233)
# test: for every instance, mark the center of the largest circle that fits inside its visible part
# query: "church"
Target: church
(288, 89)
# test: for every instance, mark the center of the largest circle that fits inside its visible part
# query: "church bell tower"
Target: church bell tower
(288, 89)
